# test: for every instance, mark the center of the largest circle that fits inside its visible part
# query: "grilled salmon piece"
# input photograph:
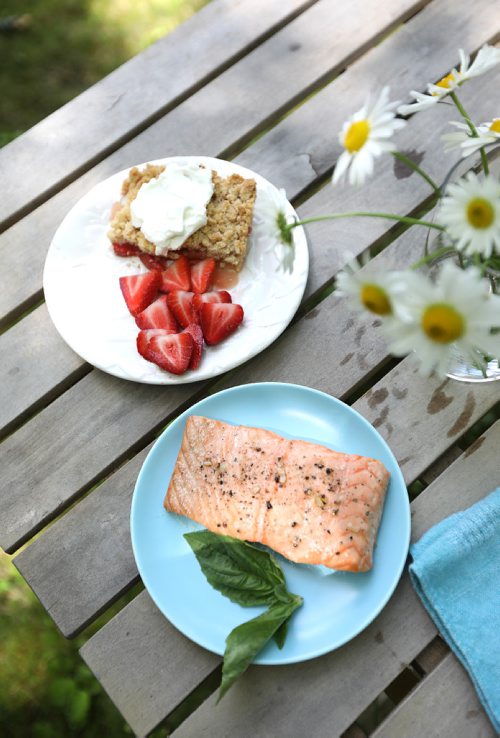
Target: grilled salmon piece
(307, 502)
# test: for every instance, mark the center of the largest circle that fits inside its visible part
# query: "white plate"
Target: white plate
(85, 302)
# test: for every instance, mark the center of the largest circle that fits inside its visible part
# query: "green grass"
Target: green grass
(46, 689)
(68, 46)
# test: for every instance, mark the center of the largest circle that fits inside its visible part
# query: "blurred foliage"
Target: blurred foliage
(68, 45)
(46, 691)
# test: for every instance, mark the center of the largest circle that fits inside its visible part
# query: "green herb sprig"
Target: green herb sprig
(249, 577)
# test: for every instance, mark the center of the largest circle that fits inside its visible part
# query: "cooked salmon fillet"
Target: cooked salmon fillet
(307, 502)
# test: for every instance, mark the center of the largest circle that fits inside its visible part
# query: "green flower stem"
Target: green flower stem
(412, 165)
(472, 128)
(431, 257)
(285, 231)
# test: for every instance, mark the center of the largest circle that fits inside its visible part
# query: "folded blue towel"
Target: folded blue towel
(456, 572)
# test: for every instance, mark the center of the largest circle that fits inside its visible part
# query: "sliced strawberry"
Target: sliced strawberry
(197, 335)
(157, 315)
(219, 320)
(177, 276)
(171, 351)
(144, 337)
(151, 261)
(180, 303)
(215, 296)
(201, 275)
(140, 290)
(125, 249)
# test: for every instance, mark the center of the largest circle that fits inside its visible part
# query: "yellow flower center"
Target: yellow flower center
(480, 213)
(495, 126)
(375, 299)
(445, 82)
(356, 135)
(442, 323)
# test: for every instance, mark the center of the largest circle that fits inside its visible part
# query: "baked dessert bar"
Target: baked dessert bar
(229, 219)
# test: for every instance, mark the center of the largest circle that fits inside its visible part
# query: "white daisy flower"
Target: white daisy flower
(488, 133)
(434, 320)
(365, 136)
(486, 58)
(470, 212)
(435, 93)
(272, 215)
(456, 139)
(369, 290)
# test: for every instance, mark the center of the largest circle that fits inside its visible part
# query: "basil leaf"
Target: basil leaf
(247, 639)
(281, 633)
(245, 574)
(248, 576)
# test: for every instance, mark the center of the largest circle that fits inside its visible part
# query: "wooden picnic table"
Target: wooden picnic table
(268, 85)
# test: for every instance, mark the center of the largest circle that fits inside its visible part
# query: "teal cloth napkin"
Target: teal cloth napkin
(456, 572)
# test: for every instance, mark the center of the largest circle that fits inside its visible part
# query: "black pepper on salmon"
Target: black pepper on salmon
(263, 488)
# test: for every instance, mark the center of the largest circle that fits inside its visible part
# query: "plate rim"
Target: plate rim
(407, 522)
(166, 378)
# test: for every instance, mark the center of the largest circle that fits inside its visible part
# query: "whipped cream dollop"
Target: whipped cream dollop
(172, 206)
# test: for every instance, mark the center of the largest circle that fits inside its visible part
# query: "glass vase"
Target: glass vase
(461, 367)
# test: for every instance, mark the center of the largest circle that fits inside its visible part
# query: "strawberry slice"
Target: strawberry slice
(157, 315)
(201, 275)
(177, 276)
(171, 351)
(219, 320)
(180, 303)
(125, 249)
(197, 335)
(215, 296)
(140, 290)
(151, 261)
(144, 337)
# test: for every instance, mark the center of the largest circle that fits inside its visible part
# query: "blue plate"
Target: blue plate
(337, 605)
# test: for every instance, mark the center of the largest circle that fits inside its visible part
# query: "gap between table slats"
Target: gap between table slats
(279, 701)
(231, 109)
(443, 704)
(57, 468)
(111, 111)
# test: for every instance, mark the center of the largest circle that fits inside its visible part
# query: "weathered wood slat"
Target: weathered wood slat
(444, 704)
(419, 417)
(85, 561)
(302, 147)
(73, 442)
(170, 656)
(112, 110)
(445, 411)
(325, 258)
(35, 359)
(279, 701)
(222, 115)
